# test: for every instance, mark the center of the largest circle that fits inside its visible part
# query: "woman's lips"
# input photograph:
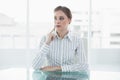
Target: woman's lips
(57, 25)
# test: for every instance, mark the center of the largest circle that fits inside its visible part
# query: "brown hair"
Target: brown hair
(65, 10)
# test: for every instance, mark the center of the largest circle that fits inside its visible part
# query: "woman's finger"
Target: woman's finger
(52, 30)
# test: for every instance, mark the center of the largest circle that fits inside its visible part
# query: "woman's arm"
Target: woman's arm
(44, 50)
(40, 57)
(52, 68)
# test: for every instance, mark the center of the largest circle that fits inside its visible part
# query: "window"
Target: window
(105, 24)
(19, 30)
(12, 24)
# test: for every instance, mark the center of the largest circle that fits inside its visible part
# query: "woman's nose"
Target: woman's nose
(57, 21)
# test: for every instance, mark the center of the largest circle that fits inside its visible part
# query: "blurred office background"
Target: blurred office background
(24, 22)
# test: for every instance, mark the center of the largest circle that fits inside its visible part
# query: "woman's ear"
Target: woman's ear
(69, 21)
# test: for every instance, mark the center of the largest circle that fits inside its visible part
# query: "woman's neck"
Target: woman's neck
(61, 34)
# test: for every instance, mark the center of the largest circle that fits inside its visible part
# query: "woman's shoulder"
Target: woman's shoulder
(78, 39)
(75, 35)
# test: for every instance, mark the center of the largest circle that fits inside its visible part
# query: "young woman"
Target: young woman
(61, 47)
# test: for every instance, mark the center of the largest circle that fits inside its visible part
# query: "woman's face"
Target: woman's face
(61, 21)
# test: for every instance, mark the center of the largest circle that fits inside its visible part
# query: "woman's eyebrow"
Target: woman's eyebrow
(58, 16)
(61, 16)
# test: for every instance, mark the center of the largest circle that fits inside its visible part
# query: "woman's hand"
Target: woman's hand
(51, 68)
(50, 37)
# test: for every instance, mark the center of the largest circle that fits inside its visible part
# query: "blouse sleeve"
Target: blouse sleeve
(40, 57)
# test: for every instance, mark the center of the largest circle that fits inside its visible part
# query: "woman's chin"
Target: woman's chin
(59, 29)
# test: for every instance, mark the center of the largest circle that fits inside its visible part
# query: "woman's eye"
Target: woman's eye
(54, 18)
(61, 18)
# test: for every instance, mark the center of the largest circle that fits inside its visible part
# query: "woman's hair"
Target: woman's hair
(65, 10)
